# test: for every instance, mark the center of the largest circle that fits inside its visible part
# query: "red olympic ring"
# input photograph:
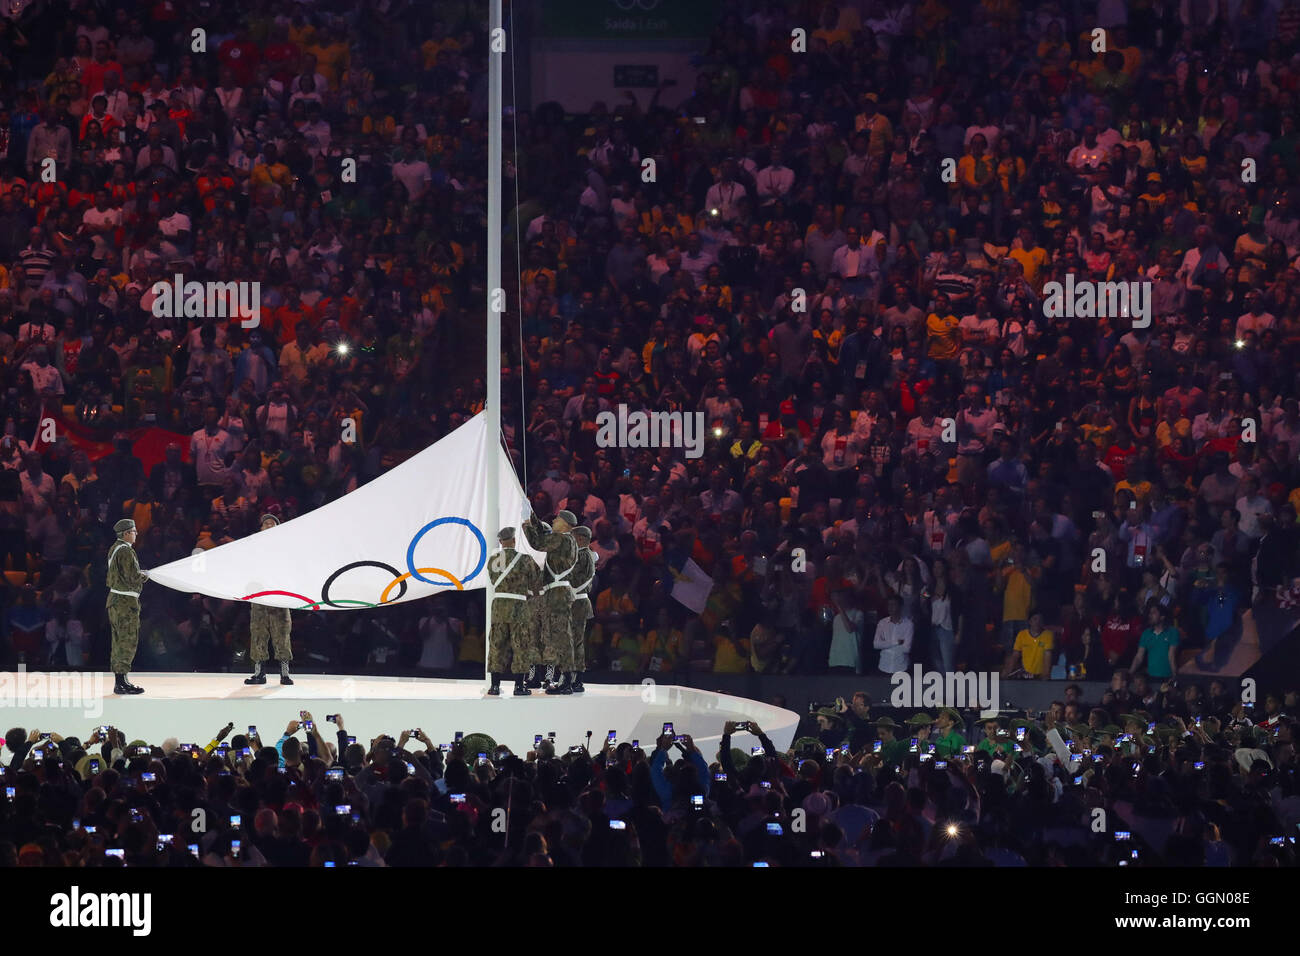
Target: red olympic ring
(313, 604)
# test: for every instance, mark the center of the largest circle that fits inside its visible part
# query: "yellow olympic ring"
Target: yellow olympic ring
(383, 598)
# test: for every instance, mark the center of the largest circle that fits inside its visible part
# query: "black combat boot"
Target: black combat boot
(520, 689)
(123, 686)
(495, 689)
(259, 676)
(284, 673)
(532, 680)
(575, 682)
(561, 686)
(549, 677)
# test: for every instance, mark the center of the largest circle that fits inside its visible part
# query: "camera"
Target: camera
(537, 740)
(308, 725)
(148, 777)
(334, 773)
(332, 718)
(743, 725)
(697, 802)
(252, 730)
(343, 809)
(235, 819)
(720, 777)
(414, 733)
(775, 829)
(1199, 765)
(457, 798)
(611, 736)
(1123, 836)
(460, 735)
(617, 825)
(755, 751)
(234, 848)
(668, 730)
(120, 854)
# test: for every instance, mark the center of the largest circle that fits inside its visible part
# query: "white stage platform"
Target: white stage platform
(193, 707)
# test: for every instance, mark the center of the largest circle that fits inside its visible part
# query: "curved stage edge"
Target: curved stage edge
(194, 707)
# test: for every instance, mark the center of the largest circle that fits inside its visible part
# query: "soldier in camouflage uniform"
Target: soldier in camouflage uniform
(515, 578)
(584, 574)
(269, 625)
(124, 582)
(553, 606)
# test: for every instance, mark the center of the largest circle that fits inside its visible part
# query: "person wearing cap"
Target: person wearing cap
(584, 574)
(920, 725)
(830, 727)
(996, 742)
(515, 578)
(892, 750)
(554, 613)
(949, 741)
(269, 625)
(124, 579)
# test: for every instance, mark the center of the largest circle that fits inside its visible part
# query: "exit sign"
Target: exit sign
(636, 75)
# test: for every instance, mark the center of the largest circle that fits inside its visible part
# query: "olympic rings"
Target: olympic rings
(399, 578)
(325, 591)
(410, 550)
(383, 598)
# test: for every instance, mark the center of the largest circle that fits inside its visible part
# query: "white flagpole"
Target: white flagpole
(493, 409)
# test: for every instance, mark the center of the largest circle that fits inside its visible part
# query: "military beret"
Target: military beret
(505, 534)
(123, 526)
(567, 517)
(808, 745)
(262, 520)
(476, 744)
(582, 531)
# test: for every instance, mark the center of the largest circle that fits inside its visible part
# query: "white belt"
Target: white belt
(509, 597)
(581, 597)
(558, 584)
(134, 594)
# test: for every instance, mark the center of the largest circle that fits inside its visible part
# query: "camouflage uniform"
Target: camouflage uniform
(584, 574)
(124, 582)
(269, 625)
(552, 608)
(511, 645)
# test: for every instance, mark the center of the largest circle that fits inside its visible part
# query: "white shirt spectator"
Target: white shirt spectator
(208, 453)
(1250, 510)
(774, 182)
(894, 641)
(1249, 322)
(415, 175)
(726, 198)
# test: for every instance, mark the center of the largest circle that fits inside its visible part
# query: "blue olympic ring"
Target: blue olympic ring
(410, 551)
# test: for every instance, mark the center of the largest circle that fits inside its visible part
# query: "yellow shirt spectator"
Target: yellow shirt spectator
(730, 656)
(1033, 261)
(943, 338)
(1017, 594)
(1035, 652)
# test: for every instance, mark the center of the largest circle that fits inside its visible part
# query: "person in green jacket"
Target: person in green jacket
(949, 742)
(997, 741)
(892, 751)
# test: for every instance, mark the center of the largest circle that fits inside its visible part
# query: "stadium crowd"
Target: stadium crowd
(1185, 776)
(840, 260)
